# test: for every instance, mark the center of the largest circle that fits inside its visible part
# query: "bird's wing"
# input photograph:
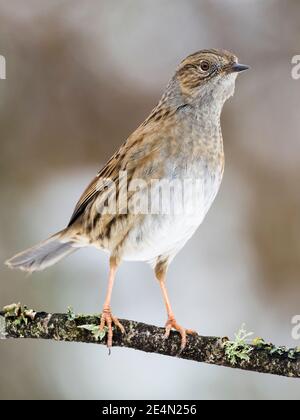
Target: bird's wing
(140, 148)
(110, 170)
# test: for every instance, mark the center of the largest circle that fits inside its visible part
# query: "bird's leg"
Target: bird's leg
(107, 319)
(171, 322)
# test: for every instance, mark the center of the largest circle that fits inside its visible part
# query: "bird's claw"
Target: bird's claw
(172, 324)
(107, 320)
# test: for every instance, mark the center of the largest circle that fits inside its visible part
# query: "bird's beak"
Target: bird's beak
(237, 67)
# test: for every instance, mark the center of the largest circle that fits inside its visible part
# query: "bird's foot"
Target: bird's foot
(172, 324)
(107, 320)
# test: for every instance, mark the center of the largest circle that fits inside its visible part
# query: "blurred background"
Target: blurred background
(80, 77)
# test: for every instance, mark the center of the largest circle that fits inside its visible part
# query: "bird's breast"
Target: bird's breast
(177, 206)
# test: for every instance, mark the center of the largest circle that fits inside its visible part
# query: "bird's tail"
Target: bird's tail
(44, 254)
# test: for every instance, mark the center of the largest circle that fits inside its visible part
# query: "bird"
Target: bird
(140, 207)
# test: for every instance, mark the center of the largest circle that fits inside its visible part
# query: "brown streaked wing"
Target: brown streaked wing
(111, 168)
(119, 161)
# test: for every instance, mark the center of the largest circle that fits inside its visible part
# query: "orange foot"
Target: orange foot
(171, 323)
(107, 320)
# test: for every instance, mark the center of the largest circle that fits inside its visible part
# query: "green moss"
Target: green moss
(261, 344)
(12, 310)
(239, 349)
(71, 313)
(21, 314)
(95, 330)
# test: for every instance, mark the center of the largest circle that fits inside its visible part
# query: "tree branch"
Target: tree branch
(19, 322)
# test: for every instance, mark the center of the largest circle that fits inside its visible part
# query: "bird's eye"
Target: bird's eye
(204, 65)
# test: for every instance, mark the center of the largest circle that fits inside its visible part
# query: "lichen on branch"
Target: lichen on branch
(18, 321)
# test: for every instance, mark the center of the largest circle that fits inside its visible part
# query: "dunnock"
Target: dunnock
(181, 140)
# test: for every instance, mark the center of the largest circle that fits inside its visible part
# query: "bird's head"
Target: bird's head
(208, 75)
